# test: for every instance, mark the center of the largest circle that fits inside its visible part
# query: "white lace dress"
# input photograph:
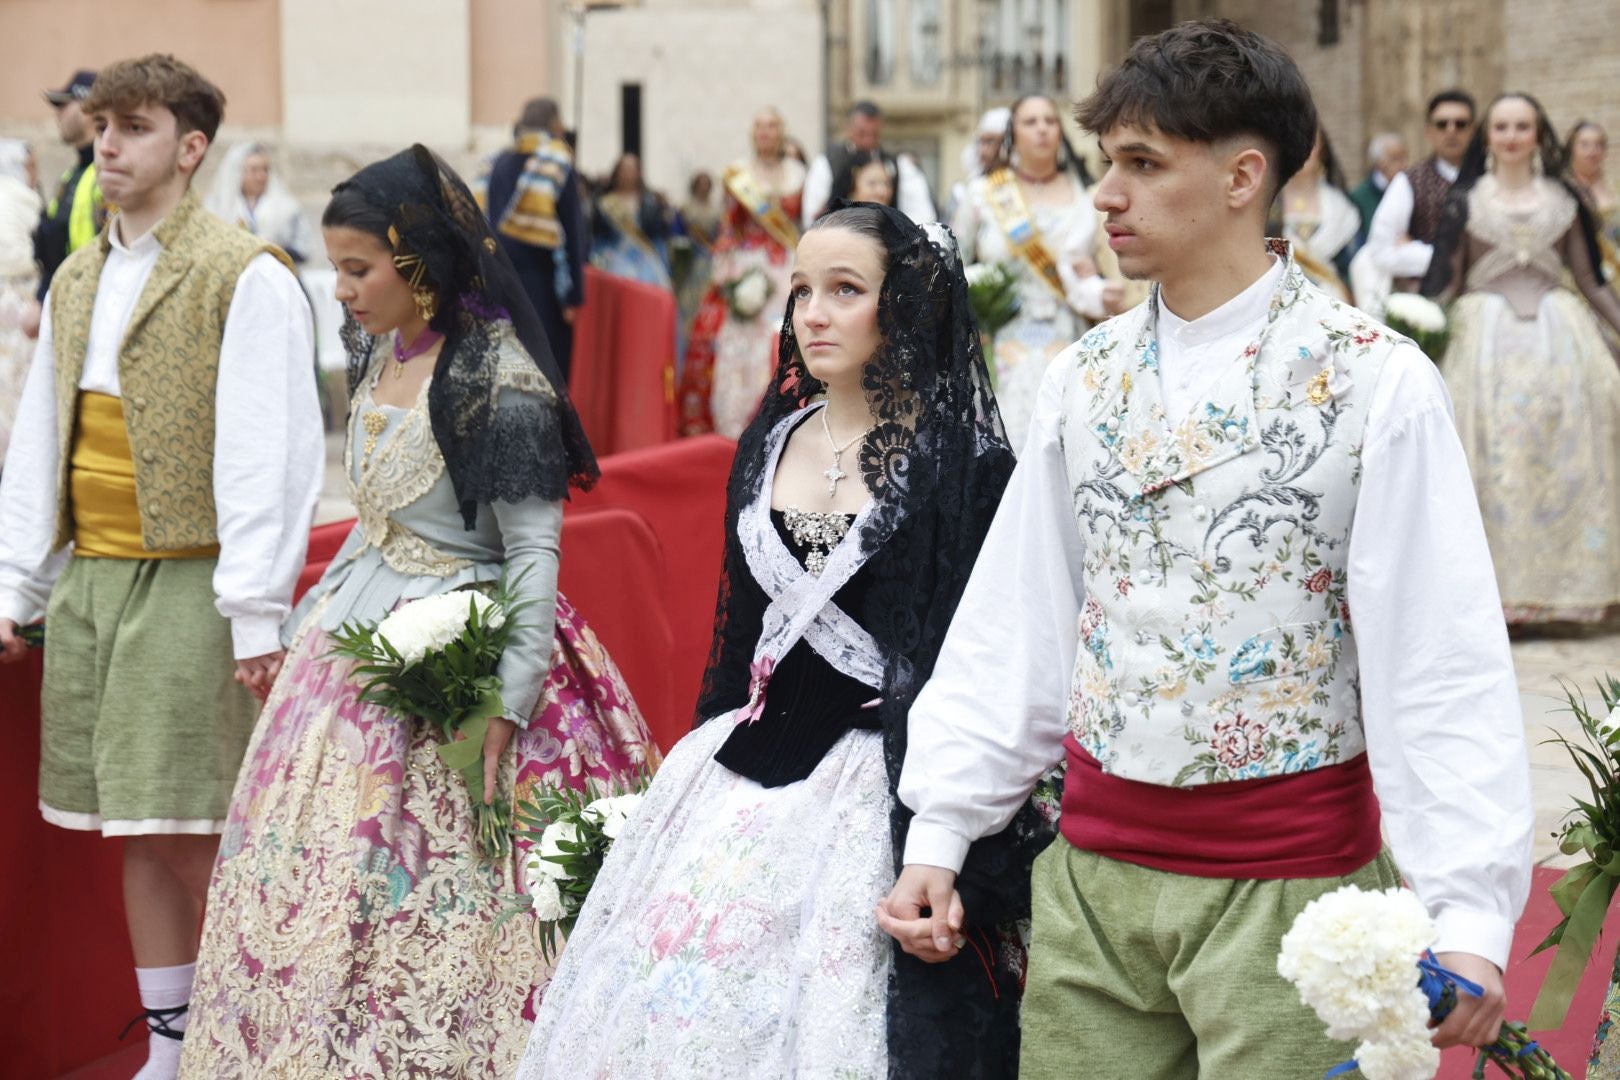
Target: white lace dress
(731, 933)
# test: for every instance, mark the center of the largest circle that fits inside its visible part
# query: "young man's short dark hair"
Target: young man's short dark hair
(159, 79)
(1206, 81)
(1453, 96)
(867, 109)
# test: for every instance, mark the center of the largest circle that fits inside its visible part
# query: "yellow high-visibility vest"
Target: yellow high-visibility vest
(82, 227)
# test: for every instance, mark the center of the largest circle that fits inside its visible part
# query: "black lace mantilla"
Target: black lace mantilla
(524, 448)
(936, 464)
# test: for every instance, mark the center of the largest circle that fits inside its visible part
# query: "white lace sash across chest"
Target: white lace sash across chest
(801, 602)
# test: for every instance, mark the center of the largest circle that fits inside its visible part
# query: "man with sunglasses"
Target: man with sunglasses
(1402, 233)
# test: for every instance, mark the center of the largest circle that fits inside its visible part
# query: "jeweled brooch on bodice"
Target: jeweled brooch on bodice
(817, 531)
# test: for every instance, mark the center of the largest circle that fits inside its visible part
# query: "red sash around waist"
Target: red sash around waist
(1320, 823)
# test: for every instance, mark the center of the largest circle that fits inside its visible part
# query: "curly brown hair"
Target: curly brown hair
(159, 79)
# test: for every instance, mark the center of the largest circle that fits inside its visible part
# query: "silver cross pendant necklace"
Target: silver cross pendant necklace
(834, 473)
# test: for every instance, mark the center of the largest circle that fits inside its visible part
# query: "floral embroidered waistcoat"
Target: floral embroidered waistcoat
(168, 366)
(1215, 641)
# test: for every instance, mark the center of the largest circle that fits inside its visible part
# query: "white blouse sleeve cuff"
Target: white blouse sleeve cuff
(935, 845)
(1482, 933)
(255, 635)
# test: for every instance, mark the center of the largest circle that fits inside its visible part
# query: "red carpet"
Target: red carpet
(1569, 1046)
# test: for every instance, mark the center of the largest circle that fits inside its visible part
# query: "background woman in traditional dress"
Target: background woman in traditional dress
(351, 926)
(697, 225)
(19, 275)
(1319, 219)
(731, 933)
(729, 356)
(1536, 391)
(1587, 151)
(247, 192)
(866, 180)
(629, 231)
(1038, 189)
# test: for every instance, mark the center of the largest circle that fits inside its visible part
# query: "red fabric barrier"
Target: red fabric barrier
(613, 572)
(680, 489)
(66, 984)
(623, 377)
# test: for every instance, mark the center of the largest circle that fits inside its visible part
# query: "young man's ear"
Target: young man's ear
(193, 145)
(1248, 178)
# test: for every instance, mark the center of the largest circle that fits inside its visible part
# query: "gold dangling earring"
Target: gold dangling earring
(427, 304)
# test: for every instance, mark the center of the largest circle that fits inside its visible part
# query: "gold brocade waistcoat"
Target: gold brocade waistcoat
(168, 366)
(101, 482)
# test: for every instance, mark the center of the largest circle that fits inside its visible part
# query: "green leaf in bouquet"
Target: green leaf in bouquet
(463, 753)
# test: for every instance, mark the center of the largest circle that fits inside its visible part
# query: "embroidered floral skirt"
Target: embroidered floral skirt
(1538, 409)
(731, 933)
(350, 927)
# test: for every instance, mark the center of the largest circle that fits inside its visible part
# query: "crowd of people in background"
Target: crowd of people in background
(1023, 201)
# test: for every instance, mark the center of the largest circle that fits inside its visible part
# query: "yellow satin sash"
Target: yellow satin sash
(761, 207)
(1023, 235)
(101, 487)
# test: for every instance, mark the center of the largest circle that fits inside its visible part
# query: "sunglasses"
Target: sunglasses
(1450, 125)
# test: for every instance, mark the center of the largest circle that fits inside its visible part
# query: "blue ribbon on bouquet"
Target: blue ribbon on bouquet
(1440, 986)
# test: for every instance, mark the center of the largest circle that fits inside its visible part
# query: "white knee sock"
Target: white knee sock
(164, 988)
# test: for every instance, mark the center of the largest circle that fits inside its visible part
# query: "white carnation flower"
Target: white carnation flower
(557, 833)
(1611, 723)
(1418, 312)
(547, 897)
(1353, 956)
(433, 622)
(1411, 1057)
(748, 296)
(977, 273)
(613, 812)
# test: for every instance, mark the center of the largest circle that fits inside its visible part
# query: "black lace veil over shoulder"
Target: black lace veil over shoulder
(521, 449)
(936, 464)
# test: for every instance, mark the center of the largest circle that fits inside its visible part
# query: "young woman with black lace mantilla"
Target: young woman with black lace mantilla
(1535, 389)
(351, 925)
(733, 931)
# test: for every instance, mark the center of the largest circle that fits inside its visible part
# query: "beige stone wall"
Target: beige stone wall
(511, 57)
(1568, 55)
(704, 72)
(234, 43)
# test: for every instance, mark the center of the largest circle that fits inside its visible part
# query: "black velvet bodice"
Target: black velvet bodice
(809, 704)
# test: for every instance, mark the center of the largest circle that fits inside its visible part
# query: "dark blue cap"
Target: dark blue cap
(77, 89)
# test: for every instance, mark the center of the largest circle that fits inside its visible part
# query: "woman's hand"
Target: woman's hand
(936, 936)
(495, 740)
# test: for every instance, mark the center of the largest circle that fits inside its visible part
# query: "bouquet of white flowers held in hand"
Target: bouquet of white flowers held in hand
(1585, 893)
(1420, 319)
(1361, 961)
(436, 658)
(993, 295)
(747, 294)
(571, 833)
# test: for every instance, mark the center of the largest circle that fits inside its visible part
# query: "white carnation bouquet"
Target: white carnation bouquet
(571, 832)
(1420, 319)
(436, 659)
(748, 293)
(1361, 961)
(993, 297)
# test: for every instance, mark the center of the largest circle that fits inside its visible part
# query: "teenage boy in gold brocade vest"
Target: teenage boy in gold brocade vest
(169, 450)
(1238, 575)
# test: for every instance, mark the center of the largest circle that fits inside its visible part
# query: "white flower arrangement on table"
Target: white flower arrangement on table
(1361, 961)
(571, 833)
(1420, 319)
(436, 659)
(748, 293)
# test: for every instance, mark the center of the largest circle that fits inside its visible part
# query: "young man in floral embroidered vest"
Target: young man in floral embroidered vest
(169, 438)
(1238, 577)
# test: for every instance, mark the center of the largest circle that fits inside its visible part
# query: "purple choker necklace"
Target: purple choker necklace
(405, 353)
